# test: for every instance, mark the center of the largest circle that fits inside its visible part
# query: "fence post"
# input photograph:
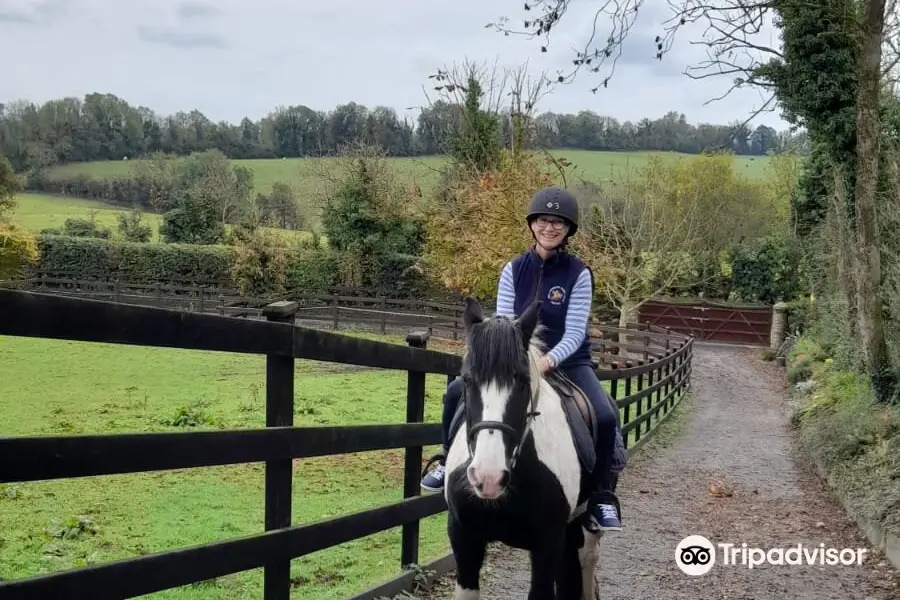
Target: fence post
(779, 322)
(337, 312)
(415, 413)
(279, 475)
(627, 417)
(639, 410)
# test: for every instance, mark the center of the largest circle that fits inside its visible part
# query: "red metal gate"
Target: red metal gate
(711, 321)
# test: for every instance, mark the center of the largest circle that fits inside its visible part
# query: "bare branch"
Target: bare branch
(891, 50)
(731, 29)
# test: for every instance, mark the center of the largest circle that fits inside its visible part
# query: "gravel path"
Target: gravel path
(732, 474)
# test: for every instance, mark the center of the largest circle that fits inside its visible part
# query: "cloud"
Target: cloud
(180, 39)
(192, 10)
(8, 16)
(23, 12)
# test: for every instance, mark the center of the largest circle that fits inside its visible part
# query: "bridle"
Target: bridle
(472, 430)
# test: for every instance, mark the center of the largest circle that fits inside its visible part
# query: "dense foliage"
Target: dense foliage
(105, 127)
(18, 247)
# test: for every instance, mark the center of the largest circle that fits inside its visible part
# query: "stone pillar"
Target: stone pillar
(779, 324)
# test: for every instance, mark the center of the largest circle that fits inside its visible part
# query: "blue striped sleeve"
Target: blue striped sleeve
(506, 293)
(576, 319)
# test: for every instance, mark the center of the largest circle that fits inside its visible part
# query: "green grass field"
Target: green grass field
(302, 172)
(59, 387)
(36, 211)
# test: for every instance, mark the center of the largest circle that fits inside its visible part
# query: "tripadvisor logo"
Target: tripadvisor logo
(696, 555)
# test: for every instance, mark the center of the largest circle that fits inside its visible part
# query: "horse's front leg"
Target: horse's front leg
(546, 559)
(468, 551)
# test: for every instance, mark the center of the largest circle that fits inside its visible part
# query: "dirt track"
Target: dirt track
(735, 439)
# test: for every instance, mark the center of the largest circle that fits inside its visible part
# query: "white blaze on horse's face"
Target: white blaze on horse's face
(488, 471)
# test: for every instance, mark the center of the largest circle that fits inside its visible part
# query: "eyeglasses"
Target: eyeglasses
(545, 222)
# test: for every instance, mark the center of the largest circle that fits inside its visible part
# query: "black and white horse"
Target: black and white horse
(513, 474)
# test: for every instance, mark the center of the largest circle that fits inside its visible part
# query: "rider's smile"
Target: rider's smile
(549, 239)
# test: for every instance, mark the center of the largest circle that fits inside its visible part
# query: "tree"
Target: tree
(10, 185)
(479, 223)
(209, 194)
(159, 176)
(638, 242)
(102, 127)
(18, 247)
(280, 208)
(868, 259)
(368, 216)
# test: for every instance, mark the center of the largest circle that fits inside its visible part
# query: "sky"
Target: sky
(236, 58)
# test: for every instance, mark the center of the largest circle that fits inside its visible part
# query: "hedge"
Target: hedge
(147, 263)
(92, 258)
(125, 191)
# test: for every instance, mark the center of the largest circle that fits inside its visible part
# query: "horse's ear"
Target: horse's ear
(528, 321)
(473, 314)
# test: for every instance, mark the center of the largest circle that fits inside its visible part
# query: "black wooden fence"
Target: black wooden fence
(652, 388)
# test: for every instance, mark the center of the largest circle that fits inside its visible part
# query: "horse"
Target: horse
(514, 472)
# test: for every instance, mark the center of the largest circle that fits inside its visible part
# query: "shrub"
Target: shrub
(313, 269)
(765, 270)
(131, 228)
(800, 369)
(80, 228)
(260, 264)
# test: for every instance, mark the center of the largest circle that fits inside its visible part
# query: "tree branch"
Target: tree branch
(730, 27)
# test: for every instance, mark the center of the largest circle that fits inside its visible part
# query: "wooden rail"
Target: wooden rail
(334, 309)
(652, 388)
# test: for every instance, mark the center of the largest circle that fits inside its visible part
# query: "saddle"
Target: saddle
(579, 414)
(581, 417)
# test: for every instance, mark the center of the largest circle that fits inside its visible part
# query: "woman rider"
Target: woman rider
(565, 286)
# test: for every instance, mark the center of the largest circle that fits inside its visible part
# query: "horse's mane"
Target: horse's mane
(494, 342)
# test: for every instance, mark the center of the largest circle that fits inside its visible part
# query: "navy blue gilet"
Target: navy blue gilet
(551, 282)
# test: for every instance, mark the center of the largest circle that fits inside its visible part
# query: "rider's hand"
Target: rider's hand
(546, 364)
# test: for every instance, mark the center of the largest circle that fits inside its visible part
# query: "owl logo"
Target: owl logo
(556, 295)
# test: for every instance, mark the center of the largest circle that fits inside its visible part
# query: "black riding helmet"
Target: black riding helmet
(556, 202)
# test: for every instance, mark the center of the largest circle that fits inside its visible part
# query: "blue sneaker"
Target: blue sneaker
(434, 481)
(607, 517)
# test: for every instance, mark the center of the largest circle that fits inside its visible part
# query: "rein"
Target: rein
(472, 430)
